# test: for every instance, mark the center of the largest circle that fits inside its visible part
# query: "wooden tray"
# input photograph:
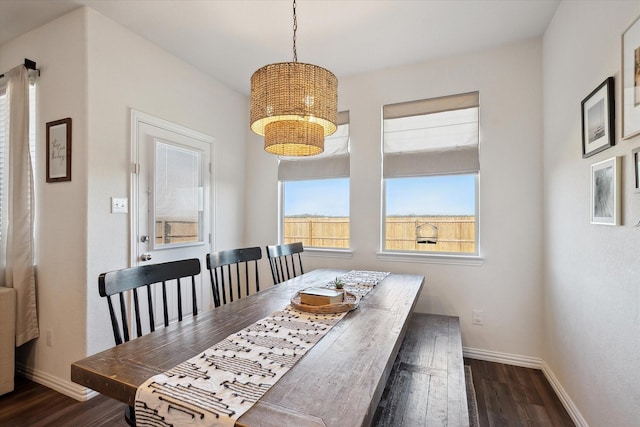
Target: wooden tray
(350, 302)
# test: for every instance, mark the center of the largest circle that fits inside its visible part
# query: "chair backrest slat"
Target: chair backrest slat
(194, 299)
(225, 268)
(152, 321)
(238, 288)
(136, 305)
(283, 260)
(114, 322)
(165, 308)
(119, 282)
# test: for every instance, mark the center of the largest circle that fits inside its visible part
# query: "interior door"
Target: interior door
(171, 199)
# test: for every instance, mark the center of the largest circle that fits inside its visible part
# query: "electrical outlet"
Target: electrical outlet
(49, 335)
(119, 205)
(478, 317)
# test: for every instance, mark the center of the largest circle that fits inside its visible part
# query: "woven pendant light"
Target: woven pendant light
(293, 105)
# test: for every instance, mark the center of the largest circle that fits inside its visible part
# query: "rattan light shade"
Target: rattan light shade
(294, 138)
(294, 106)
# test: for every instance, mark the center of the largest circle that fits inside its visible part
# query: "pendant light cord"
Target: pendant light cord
(295, 28)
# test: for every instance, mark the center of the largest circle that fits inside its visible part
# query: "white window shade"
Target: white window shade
(431, 137)
(332, 163)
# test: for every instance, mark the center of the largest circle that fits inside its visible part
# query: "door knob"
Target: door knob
(145, 257)
(144, 239)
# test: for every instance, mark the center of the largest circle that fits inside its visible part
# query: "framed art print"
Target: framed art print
(605, 192)
(631, 80)
(598, 114)
(59, 150)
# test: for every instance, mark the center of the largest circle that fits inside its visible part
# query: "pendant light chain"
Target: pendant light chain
(295, 28)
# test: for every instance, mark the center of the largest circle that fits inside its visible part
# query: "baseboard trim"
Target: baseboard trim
(535, 363)
(67, 388)
(506, 358)
(568, 404)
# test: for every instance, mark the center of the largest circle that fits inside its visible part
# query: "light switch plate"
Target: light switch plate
(477, 317)
(119, 205)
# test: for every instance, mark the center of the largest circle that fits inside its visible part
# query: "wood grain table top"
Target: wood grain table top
(338, 382)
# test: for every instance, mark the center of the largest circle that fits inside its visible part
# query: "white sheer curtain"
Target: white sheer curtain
(16, 240)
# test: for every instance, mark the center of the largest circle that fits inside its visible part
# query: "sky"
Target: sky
(437, 195)
(326, 197)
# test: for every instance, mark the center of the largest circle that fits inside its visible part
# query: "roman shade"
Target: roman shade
(332, 163)
(431, 137)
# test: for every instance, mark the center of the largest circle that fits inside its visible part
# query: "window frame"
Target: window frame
(470, 258)
(335, 166)
(464, 258)
(332, 251)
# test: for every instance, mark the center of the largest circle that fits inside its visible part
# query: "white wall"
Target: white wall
(126, 71)
(94, 71)
(59, 48)
(507, 286)
(592, 290)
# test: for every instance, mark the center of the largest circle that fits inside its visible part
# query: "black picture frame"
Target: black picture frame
(635, 156)
(598, 119)
(59, 150)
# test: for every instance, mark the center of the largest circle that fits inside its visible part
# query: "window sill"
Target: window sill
(431, 258)
(329, 253)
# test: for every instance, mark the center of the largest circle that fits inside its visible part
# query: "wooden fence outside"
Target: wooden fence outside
(455, 233)
(170, 231)
(319, 232)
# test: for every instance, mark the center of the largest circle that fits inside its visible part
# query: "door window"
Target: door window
(177, 196)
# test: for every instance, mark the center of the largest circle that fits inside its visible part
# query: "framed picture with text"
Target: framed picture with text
(59, 150)
(598, 115)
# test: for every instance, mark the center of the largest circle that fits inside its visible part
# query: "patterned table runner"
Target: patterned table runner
(220, 384)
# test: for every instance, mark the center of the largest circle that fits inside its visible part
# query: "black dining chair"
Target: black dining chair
(231, 268)
(153, 277)
(283, 259)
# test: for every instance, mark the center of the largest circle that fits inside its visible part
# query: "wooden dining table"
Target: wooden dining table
(338, 382)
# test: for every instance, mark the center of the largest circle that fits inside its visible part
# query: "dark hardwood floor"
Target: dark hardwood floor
(35, 405)
(507, 396)
(513, 396)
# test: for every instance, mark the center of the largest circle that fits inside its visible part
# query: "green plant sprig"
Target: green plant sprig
(339, 284)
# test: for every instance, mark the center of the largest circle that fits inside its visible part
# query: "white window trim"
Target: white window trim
(329, 252)
(431, 258)
(319, 251)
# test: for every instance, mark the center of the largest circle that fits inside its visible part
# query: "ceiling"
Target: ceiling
(230, 39)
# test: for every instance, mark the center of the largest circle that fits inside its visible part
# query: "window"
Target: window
(4, 110)
(430, 169)
(178, 195)
(315, 194)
